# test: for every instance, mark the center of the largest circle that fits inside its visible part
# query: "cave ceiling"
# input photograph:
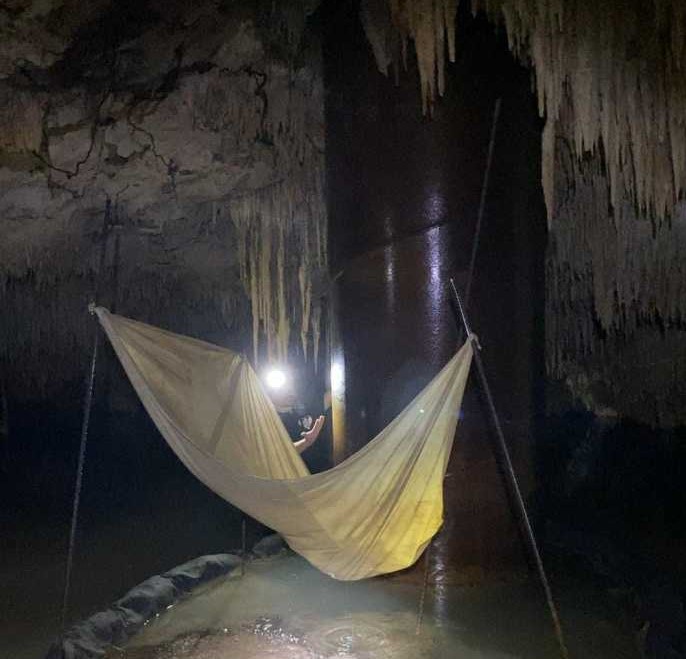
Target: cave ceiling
(202, 124)
(189, 122)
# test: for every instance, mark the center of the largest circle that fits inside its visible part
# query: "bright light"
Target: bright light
(275, 378)
(337, 378)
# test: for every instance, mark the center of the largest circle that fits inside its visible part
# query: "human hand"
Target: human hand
(309, 437)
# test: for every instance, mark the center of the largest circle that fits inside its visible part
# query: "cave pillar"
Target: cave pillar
(403, 193)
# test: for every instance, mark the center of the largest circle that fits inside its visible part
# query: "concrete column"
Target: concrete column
(403, 193)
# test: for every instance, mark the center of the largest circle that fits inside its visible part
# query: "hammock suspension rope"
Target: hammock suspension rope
(482, 203)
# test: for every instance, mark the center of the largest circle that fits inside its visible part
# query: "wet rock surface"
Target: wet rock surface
(171, 111)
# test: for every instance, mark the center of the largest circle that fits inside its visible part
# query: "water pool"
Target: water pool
(282, 607)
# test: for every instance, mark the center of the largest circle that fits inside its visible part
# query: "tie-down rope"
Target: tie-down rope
(87, 404)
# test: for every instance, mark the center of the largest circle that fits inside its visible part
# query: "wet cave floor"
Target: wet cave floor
(282, 607)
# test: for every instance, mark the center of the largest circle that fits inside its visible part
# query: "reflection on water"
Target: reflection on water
(284, 608)
(371, 636)
(436, 286)
(390, 278)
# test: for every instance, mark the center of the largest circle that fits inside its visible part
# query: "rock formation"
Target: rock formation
(610, 83)
(202, 125)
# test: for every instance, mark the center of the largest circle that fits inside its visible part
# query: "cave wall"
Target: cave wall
(610, 87)
(616, 340)
(202, 125)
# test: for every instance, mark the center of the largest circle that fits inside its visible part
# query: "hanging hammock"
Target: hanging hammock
(372, 514)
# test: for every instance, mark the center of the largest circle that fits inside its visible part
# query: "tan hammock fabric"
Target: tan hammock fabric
(372, 514)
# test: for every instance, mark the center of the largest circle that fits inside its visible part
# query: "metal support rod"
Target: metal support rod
(482, 203)
(87, 405)
(514, 483)
(425, 587)
(113, 294)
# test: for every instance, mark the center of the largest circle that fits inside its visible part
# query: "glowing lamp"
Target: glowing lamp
(275, 378)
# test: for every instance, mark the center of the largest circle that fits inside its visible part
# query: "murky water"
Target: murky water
(284, 608)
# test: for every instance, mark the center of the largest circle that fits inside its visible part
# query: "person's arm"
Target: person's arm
(309, 437)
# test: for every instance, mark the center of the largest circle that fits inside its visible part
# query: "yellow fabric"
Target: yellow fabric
(372, 514)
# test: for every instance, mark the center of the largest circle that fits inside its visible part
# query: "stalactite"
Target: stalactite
(609, 78)
(283, 328)
(306, 296)
(283, 250)
(619, 66)
(615, 296)
(316, 335)
(634, 262)
(281, 225)
(428, 23)
(273, 115)
(237, 127)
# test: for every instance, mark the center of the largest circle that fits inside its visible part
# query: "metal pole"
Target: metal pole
(114, 229)
(87, 404)
(482, 203)
(425, 587)
(513, 483)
